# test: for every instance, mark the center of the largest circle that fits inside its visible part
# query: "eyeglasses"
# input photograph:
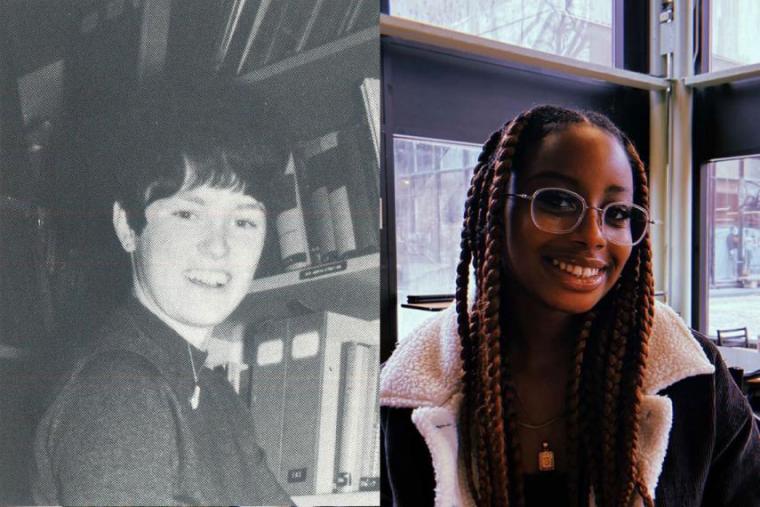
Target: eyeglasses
(560, 211)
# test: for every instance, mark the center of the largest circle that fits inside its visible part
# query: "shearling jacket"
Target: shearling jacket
(698, 442)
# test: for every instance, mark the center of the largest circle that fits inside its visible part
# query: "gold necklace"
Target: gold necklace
(546, 461)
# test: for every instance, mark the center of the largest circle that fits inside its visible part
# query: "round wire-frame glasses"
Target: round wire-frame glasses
(568, 218)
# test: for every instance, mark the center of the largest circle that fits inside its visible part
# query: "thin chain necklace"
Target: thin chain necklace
(535, 426)
(546, 462)
(196, 397)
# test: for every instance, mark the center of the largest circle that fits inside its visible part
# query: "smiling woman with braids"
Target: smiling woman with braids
(557, 379)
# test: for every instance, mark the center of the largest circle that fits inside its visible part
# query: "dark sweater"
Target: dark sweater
(122, 431)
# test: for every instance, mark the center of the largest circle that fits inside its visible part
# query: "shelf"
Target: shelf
(312, 55)
(361, 498)
(350, 287)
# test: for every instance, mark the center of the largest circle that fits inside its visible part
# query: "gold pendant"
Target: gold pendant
(545, 458)
(196, 397)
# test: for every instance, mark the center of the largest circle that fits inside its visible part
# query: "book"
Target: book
(358, 171)
(231, 27)
(324, 24)
(261, 35)
(370, 90)
(318, 157)
(339, 177)
(369, 478)
(304, 368)
(342, 221)
(265, 353)
(291, 230)
(353, 413)
(290, 28)
(309, 27)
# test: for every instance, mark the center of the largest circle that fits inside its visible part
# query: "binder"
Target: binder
(301, 433)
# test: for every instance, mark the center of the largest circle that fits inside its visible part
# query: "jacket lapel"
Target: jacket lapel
(425, 372)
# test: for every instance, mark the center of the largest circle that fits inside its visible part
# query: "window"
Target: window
(580, 29)
(734, 38)
(733, 228)
(431, 182)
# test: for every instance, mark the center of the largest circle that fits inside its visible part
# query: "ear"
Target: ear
(123, 231)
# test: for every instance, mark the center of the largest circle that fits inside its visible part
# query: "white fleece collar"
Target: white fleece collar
(425, 371)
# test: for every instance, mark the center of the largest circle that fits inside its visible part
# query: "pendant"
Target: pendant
(545, 458)
(196, 397)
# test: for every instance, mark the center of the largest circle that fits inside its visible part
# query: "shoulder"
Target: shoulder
(674, 353)
(110, 391)
(425, 369)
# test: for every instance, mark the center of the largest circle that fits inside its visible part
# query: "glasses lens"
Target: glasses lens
(624, 224)
(555, 210)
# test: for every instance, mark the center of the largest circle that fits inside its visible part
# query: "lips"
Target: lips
(576, 269)
(585, 274)
(208, 278)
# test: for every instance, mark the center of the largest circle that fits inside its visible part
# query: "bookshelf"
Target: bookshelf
(316, 82)
(312, 56)
(350, 287)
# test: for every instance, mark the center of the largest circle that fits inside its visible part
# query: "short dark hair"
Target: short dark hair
(163, 150)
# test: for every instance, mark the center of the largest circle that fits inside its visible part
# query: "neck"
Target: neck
(538, 347)
(196, 336)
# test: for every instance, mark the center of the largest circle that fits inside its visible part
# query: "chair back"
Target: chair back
(737, 337)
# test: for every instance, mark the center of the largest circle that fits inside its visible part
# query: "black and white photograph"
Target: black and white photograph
(190, 236)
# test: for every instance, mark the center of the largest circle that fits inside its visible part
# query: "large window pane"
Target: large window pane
(431, 184)
(580, 29)
(733, 207)
(734, 36)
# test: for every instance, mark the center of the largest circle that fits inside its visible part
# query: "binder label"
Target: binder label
(297, 475)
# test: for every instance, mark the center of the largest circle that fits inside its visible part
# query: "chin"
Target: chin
(573, 304)
(205, 316)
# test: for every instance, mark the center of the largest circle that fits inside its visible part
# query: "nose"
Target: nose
(215, 244)
(591, 230)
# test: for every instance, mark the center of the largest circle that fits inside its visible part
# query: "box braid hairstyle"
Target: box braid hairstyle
(603, 396)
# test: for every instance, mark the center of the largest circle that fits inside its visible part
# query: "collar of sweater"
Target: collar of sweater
(425, 373)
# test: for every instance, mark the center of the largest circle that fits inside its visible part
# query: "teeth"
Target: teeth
(574, 269)
(208, 277)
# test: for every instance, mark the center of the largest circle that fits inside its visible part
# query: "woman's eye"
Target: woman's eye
(618, 215)
(558, 202)
(185, 214)
(246, 223)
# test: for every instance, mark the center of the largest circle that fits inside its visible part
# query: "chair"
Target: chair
(733, 337)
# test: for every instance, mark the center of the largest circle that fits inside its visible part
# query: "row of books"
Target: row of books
(280, 29)
(329, 193)
(313, 394)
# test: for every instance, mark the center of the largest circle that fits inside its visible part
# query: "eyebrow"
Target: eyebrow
(572, 181)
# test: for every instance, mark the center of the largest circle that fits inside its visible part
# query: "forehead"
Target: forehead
(582, 156)
(213, 197)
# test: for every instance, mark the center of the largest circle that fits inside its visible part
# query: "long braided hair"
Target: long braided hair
(603, 396)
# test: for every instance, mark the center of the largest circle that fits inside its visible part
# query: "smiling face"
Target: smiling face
(195, 258)
(569, 272)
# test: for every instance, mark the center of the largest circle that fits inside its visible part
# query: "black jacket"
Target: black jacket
(712, 453)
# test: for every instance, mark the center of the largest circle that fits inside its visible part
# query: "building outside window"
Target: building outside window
(431, 182)
(580, 29)
(734, 36)
(733, 214)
